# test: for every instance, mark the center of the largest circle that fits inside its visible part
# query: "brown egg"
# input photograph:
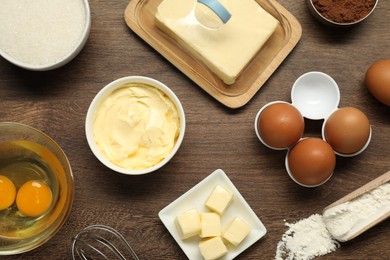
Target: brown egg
(311, 161)
(378, 81)
(347, 130)
(281, 125)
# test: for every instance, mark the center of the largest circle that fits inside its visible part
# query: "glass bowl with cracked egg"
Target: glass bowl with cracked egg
(36, 188)
(135, 125)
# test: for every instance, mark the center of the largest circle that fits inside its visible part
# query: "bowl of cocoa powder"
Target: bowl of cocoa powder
(341, 13)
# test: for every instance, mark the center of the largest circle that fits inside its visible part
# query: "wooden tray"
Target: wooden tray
(139, 16)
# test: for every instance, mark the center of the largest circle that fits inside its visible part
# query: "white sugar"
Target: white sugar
(41, 32)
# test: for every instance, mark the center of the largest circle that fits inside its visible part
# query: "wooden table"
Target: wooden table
(56, 102)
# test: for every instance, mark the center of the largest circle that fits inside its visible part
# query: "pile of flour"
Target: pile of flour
(309, 237)
(306, 239)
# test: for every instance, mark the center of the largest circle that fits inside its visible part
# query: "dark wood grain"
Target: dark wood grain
(56, 102)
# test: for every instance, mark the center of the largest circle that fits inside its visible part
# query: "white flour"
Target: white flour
(305, 240)
(346, 218)
(310, 237)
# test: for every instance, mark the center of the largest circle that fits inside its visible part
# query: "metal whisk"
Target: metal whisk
(101, 242)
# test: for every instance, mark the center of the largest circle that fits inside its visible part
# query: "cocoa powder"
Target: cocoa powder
(344, 11)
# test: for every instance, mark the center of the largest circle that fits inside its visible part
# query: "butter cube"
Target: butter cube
(219, 199)
(236, 231)
(212, 248)
(227, 50)
(210, 225)
(188, 223)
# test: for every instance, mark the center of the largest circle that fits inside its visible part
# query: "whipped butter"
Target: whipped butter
(226, 51)
(136, 126)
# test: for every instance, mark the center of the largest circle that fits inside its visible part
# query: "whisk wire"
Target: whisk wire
(83, 253)
(93, 240)
(110, 246)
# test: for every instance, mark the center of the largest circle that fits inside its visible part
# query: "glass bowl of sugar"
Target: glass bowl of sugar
(43, 35)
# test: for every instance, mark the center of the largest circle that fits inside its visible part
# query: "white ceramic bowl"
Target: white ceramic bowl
(315, 94)
(65, 59)
(104, 93)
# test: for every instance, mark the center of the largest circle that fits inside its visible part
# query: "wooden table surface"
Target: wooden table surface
(56, 102)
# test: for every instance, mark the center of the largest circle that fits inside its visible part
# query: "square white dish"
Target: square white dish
(196, 198)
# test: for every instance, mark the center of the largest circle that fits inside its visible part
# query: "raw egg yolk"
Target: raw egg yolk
(34, 198)
(7, 192)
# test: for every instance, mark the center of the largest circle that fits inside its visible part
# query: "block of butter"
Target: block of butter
(226, 51)
(236, 231)
(210, 225)
(219, 199)
(212, 248)
(188, 223)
